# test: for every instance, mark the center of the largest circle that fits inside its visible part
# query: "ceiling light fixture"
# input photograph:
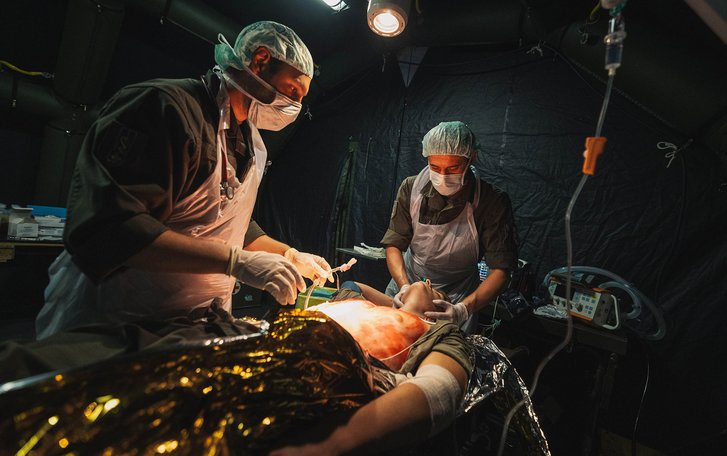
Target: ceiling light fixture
(336, 5)
(388, 17)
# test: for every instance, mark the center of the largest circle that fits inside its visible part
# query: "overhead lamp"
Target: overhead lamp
(388, 17)
(336, 5)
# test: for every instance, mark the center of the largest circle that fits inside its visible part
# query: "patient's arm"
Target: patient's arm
(375, 296)
(398, 418)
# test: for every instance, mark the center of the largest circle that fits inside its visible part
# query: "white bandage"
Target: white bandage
(443, 394)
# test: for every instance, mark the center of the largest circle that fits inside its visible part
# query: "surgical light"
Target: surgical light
(388, 17)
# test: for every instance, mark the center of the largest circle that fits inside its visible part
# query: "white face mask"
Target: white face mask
(275, 115)
(446, 184)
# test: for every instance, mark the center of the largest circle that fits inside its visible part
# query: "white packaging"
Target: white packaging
(50, 227)
(26, 229)
(21, 224)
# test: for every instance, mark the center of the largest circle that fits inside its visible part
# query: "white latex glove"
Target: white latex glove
(456, 313)
(310, 266)
(397, 297)
(267, 271)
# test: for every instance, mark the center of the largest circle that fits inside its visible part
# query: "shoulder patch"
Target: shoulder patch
(121, 145)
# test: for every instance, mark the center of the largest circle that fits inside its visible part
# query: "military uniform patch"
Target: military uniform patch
(121, 145)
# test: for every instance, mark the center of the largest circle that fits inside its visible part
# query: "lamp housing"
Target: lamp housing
(388, 17)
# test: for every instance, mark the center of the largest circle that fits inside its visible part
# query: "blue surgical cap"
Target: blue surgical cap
(281, 41)
(449, 138)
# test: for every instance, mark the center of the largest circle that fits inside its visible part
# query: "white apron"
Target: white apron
(445, 254)
(73, 300)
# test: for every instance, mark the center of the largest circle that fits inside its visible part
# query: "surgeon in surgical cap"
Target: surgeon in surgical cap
(444, 220)
(159, 213)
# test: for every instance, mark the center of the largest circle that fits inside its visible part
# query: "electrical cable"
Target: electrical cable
(349, 88)
(494, 323)
(163, 19)
(636, 302)
(394, 184)
(572, 65)
(493, 70)
(494, 310)
(594, 11)
(679, 227)
(584, 69)
(569, 262)
(25, 72)
(641, 405)
(497, 56)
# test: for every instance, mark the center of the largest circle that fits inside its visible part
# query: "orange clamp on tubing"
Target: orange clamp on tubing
(594, 148)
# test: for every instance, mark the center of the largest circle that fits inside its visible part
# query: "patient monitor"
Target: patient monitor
(595, 306)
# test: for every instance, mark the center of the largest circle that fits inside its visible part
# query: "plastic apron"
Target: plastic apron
(73, 300)
(445, 254)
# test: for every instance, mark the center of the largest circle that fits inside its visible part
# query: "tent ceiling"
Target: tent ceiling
(31, 38)
(342, 44)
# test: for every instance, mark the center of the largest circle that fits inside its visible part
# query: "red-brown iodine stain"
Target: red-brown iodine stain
(383, 332)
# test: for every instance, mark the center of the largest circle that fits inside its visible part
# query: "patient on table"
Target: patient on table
(432, 361)
(384, 332)
(246, 390)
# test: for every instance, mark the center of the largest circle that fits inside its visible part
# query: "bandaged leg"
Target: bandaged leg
(443, 394)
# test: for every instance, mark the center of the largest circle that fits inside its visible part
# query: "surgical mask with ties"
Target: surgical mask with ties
(269, 109)
(446, 184)
(275, 116)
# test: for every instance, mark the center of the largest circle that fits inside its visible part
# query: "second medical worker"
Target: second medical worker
(444, 220)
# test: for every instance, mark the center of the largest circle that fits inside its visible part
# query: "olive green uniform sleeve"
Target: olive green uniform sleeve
(400, 231)
(253, 232)
(138, 159)
(496, 227)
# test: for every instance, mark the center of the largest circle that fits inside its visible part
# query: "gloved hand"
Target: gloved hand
(397, 297)
(310, 266)
(267, 271)
(457, 313)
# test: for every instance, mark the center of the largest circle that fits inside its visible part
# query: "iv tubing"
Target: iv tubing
(569, 256)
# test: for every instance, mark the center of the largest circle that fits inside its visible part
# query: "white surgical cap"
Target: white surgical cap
(281, 41)
(449, 138)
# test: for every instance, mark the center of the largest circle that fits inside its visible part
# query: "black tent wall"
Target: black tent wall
(655, 219)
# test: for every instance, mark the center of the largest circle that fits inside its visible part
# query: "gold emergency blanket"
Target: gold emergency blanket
(241, 395)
